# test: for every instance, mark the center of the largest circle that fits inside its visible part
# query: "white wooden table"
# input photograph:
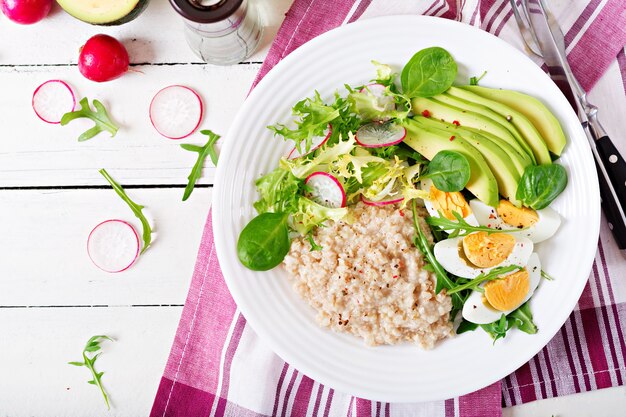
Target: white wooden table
(52, 299)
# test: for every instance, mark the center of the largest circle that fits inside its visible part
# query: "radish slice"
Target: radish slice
(325, 190)
(386, 102)
(378, 135)
(176, 111)
(316, 143)
(383, 202)
(52, 99)
(113, 245)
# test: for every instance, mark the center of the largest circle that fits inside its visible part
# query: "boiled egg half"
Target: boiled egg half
(480, 252)
(504, 295)
(447, 203)
(538, 225)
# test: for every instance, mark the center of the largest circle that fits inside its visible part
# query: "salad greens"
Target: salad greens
(203, 151)
(429, 72)
(476, 80)
(136, 208)
(492, 275)
(89, 360)
(99, 116)
(449, 171)
(540, 185)
(460, 227)
(264, 242)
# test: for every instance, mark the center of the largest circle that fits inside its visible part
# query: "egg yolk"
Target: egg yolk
(520, 217)
(509, 292)
(447, 203)
(486, 250)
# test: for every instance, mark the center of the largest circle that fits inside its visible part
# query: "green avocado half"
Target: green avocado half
(499, 161)
(428, 142)
(104, 12)
(511, 117)
(468, 118)
(538, 114)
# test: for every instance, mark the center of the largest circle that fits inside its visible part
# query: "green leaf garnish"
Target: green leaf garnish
(89, 360)
(522, 318)
(100, 117)
(449, 171)
(540, 185)
(475, 80)
(443, 280)
(497, 329)
(203, 151)
(466, 326)
(546, 276)
(492, 275)
(460, 227)
(314, 246)
(429, 72)
(136, 208)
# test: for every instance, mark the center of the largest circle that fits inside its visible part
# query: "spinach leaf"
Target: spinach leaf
(466, 326)
(449, 171)
(540, 185)
(429, 72)
(522, 318)
(264, 242)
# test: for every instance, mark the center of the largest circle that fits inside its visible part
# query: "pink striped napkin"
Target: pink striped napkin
(218, 366)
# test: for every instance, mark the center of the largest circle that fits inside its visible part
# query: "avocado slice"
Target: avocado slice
(467, 118)
(538, 114)
(428, 142)
(511, 117)
(521, 161)
(104, 12)
(501, 165)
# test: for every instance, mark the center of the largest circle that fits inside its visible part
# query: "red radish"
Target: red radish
(378, 135)
(316, 143)
(385, 201)
(325, 190)
(384, 101)
(26, 12)
(113, 245)
(52, 99)
(102, 58)
(176, 111)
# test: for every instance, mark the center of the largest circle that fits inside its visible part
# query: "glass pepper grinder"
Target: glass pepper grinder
(221, 32)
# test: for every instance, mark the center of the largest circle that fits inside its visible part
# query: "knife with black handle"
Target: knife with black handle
(610, 164)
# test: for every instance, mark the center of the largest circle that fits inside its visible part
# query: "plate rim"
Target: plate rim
(219, 226)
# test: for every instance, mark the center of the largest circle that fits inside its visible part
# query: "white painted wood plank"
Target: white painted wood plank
(44, 261)
(37, 344)
(38, 153)
(155, 36)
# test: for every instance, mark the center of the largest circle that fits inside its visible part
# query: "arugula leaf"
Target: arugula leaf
(313, 117)
(449, 171)
(443, 280)
(497, 329)
(429, 72)
(540, 185)
(100, 117)
(93, 345)
(522, 318)
(203, 151)
(492, 275)
(546, 276)
(475, 80)
(460, 227)
(136, 208)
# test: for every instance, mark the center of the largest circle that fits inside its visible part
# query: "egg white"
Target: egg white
(547, 225)
(475, 311)
(447, 253)
(432, 211)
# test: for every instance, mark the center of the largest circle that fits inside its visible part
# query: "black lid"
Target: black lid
(193, 10)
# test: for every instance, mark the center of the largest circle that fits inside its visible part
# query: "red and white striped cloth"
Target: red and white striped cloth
(218, 366)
